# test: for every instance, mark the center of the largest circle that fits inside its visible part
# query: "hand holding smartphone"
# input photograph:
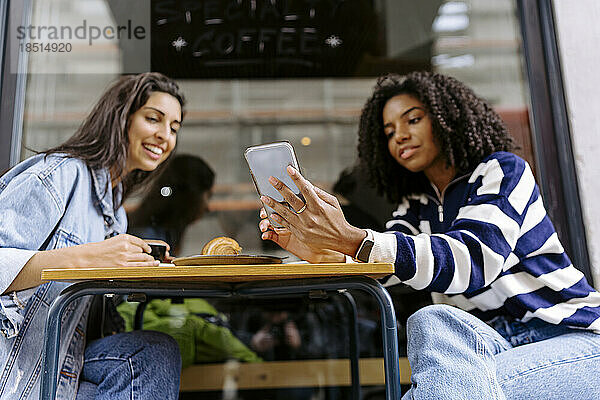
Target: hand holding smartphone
(272, 159)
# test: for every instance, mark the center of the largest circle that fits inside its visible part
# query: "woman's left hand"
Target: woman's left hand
(321, 224)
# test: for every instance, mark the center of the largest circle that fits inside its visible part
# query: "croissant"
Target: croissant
(221, 245)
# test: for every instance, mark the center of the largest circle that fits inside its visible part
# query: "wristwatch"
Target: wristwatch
(364, 250)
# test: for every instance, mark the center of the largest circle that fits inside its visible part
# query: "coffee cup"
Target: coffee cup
(158, 250)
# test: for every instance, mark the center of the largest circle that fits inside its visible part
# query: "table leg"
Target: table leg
(51, 345)
(354, 349)
(391, 357)
(138, 321)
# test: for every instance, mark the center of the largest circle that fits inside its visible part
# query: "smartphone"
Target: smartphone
(272, 159)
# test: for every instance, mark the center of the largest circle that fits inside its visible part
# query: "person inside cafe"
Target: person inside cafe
(62, 208)
(345, 188)
(520, 320)
(175, 200)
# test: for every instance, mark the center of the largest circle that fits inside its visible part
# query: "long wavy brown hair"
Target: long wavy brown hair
(102, 140)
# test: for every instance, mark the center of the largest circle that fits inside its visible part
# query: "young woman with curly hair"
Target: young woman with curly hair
(519, 320)
(63, 209)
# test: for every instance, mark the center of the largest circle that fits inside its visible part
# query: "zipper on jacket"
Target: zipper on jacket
(440, 196)
(439, 201)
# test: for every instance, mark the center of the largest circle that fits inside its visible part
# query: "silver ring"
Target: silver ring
(302, 209)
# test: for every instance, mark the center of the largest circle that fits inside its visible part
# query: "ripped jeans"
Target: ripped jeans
(454, 355)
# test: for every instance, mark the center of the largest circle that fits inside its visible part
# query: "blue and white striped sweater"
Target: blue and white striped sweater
(488, 245)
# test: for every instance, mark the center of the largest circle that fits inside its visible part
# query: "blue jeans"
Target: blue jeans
(454, 355)
(135, 365)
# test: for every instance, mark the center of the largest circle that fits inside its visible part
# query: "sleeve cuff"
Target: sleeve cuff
(384, 247)
(11, 263)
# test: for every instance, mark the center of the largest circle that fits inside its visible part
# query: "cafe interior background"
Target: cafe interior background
(310, 91)
(262, 71)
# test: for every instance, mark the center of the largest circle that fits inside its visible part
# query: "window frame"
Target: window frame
(12, 85)
(548, 115)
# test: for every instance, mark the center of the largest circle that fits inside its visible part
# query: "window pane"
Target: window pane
(311, 96)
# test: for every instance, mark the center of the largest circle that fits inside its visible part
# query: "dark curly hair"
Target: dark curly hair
(465, 128)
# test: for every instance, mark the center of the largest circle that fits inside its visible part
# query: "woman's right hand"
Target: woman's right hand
(287, 241)
(119, 251)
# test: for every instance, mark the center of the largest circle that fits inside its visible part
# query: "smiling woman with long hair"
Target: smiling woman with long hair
(63, 209)
(521, 322)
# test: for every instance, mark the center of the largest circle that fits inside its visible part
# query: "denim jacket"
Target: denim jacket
(47, 203)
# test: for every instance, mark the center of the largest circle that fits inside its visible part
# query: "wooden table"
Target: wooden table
(221, 281)
(220, 273)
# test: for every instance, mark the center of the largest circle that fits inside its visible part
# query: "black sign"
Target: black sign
(262, 38)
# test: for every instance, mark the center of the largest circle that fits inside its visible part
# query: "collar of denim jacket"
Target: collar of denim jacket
(106, 196)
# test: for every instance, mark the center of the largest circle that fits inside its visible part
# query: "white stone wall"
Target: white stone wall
(578, 35)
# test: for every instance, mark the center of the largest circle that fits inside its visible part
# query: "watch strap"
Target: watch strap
(364, 250)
